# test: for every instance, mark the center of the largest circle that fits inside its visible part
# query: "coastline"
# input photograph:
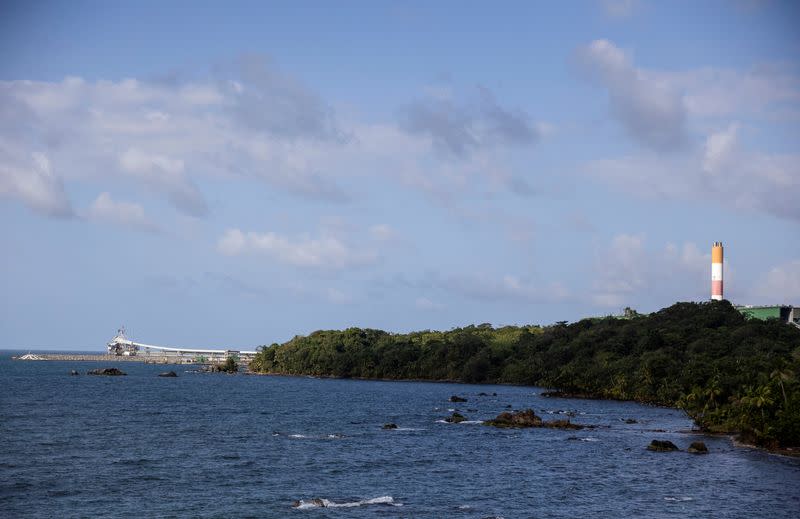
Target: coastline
(788, 452)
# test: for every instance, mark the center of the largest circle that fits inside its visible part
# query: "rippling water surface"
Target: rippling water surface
(214, 445)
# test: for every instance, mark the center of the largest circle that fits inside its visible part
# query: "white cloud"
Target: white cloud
(769, 91)
(724, 173)
(719, 149)
(171, 138)
(626, 270)
(622, 270)
(29, 177)
(781, 285)
(165, 174)
(137, 162)
(166, 136)
(125, 214)
(325, 252)
(650, 110)
(382, 232)
(232, 243)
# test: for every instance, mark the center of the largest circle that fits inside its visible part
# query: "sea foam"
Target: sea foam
(326, 503)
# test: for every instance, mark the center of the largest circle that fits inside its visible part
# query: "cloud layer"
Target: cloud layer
(29, 177)
(461, 127)
(323, 252)
(649, 109)
(125, 214)
(627, 269)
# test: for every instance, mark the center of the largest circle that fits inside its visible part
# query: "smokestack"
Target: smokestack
(716, 271)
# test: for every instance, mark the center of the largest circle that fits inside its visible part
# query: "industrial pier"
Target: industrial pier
(120, 348)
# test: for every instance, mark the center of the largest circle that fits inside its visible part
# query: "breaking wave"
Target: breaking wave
(334, 436)
(325, 503)
(682, 498)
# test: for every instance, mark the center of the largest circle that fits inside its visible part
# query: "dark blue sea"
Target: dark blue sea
(216, 445)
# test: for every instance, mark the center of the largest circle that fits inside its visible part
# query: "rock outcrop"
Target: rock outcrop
(455, 418)
(456, 398)
(528, 418)
(108, 372)
(662, 446)
(388, 426)
(697, 448)
(169, 374)
(74, 372)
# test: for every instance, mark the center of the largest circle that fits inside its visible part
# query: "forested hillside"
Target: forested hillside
(729, 373)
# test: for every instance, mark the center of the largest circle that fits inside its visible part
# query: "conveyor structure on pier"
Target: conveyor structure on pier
(120, 345)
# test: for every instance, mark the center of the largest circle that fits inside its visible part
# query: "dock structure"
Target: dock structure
(120, 348)
(102, 357)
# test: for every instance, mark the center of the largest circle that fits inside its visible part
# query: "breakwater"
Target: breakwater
(72, 357)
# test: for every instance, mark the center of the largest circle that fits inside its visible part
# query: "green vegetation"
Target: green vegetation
(231, 365)
(729, 373)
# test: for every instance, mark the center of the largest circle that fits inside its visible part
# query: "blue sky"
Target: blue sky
(232, 174)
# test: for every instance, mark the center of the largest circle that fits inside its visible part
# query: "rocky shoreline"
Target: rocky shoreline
(789, 452)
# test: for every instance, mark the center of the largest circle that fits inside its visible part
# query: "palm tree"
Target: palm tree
(782, 375)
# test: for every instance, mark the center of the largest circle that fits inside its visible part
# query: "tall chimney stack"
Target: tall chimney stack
(716, 271)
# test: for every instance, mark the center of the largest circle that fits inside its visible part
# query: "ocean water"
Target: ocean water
(216, 445)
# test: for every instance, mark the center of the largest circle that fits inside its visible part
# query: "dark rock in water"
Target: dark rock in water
(109, 372)
(697, 448)
(564, 424)
(630, 420)
(662, 446)
(455, 418)
(315, 502)
(456, 398)
(73, 372)
(508, 406)
(389, 426)
(528, 418)
(168, 374)
(483, 394)
(573, 438)
(494, 394)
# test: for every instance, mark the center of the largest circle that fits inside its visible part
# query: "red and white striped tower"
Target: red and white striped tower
(716, 271)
